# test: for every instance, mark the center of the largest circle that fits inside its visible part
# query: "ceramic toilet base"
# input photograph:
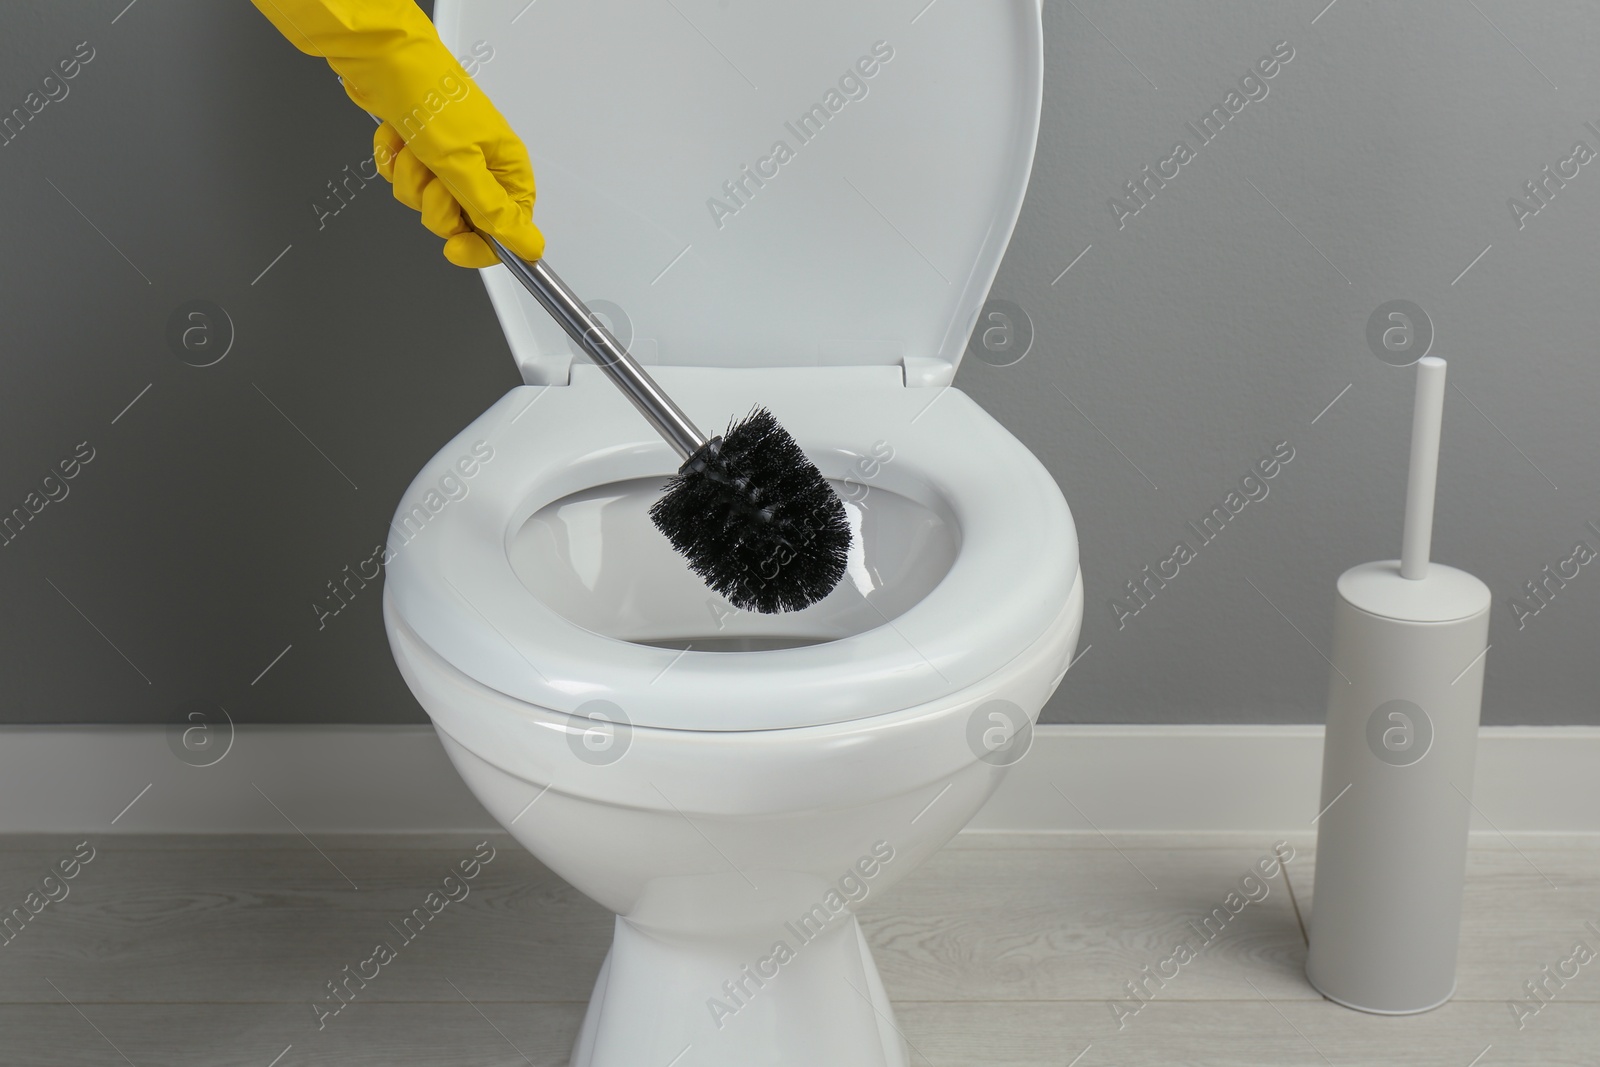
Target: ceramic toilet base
(665, 999)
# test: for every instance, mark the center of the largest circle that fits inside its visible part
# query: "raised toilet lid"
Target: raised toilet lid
(769, 184)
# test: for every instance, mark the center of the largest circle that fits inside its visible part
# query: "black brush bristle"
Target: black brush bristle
(756, 519)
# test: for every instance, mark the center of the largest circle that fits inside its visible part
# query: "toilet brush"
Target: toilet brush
(1409, 644)
(752, 515)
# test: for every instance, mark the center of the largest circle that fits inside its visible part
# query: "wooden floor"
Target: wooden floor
(1002, 950)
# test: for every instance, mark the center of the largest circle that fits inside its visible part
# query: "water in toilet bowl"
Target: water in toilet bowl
(593, 557)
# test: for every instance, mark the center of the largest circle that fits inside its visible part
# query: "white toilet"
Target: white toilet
(734, 785)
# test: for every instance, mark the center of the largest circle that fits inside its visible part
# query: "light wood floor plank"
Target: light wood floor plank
(997, 954)
(277, 925)
(1017, 1034)
(1239, 1034)
(1077, 925)
(252, 1035)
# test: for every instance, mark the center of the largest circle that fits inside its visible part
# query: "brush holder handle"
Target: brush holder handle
(1397, 769)
(607, 352)
(596, 341)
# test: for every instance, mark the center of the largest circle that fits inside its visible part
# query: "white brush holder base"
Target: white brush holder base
(1397, 767)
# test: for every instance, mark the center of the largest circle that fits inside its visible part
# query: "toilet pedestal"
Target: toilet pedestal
(739, 1001)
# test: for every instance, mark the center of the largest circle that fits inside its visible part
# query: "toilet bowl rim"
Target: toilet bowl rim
(890, 754)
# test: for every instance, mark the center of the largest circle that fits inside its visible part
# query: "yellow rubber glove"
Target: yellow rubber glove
(443, 145)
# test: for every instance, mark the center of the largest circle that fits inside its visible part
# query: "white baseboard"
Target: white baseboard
(1267, 779)
(394, 779)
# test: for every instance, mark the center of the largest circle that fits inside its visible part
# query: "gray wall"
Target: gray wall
(1179, 349)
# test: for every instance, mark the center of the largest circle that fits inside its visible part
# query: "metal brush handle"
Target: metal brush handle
(596, 341)
(608, 353)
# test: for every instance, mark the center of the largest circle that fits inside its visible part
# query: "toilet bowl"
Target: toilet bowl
(734, 786)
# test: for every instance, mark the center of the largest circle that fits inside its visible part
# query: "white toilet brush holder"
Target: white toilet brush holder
(1409, 644)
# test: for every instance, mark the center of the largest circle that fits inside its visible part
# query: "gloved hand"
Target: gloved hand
(443, 145)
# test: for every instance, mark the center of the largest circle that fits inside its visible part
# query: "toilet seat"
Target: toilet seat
(453, 583)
